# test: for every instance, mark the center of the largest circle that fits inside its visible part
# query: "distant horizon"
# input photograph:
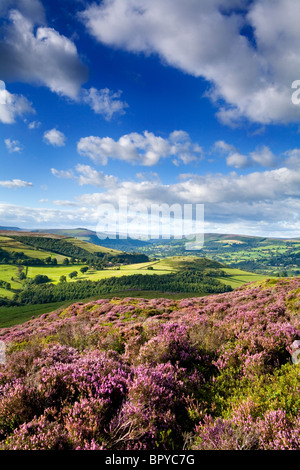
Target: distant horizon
(44, 230)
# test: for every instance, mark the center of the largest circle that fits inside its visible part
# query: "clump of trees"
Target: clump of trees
(73, 274)
(5, 285)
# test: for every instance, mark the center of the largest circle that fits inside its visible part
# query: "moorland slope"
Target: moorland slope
(199, 373)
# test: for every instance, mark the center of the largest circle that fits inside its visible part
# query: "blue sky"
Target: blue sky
(155, 101)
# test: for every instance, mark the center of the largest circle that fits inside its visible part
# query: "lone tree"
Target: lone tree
(84, 269)
(41, 279)
(73, 274)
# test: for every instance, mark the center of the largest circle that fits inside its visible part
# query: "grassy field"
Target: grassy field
(237, 277)
(7, 271)
(10, 316)
(90, 247)
(54, 272)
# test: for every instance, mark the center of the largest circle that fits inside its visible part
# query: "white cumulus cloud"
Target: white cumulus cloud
(104, 102)
(144, 149)
(55, 137)
(86, 175)
(12, 105)
(265, 202)
(261, 156)
(237, 160)
(15, 183)
(62, 173)
(36, 53)
(13, 145)
(250, 73)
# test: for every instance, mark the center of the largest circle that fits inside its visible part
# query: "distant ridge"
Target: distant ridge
(101, 239)
(14, 229)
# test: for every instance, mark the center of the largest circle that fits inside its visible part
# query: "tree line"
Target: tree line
(73, 253)
(178, 282)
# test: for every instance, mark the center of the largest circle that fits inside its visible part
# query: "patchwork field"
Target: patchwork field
(54, 273)
(164, 266)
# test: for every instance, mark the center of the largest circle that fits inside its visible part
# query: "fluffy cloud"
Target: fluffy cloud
(104, 102)
(55, 138)
(32, 52)
(237, 160)
(34, 125)
(144, 149)
(266, 203)
(15, 183)
(86, 175)
(270, 185)
(221, 193)
(12, 105)
(261, 218)
(62, 173)
(35, 53)
(29, 8)
(262, 156)
(251, 73)
(223, 146)
(12, 145)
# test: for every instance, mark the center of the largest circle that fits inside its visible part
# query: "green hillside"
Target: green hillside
(24, 255)
(38, 245)
(91, 247)
(13, 245)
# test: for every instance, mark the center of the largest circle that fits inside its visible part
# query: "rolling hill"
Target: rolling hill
(23, 254)
(42, 245)
(16, 229)
(104, 240)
